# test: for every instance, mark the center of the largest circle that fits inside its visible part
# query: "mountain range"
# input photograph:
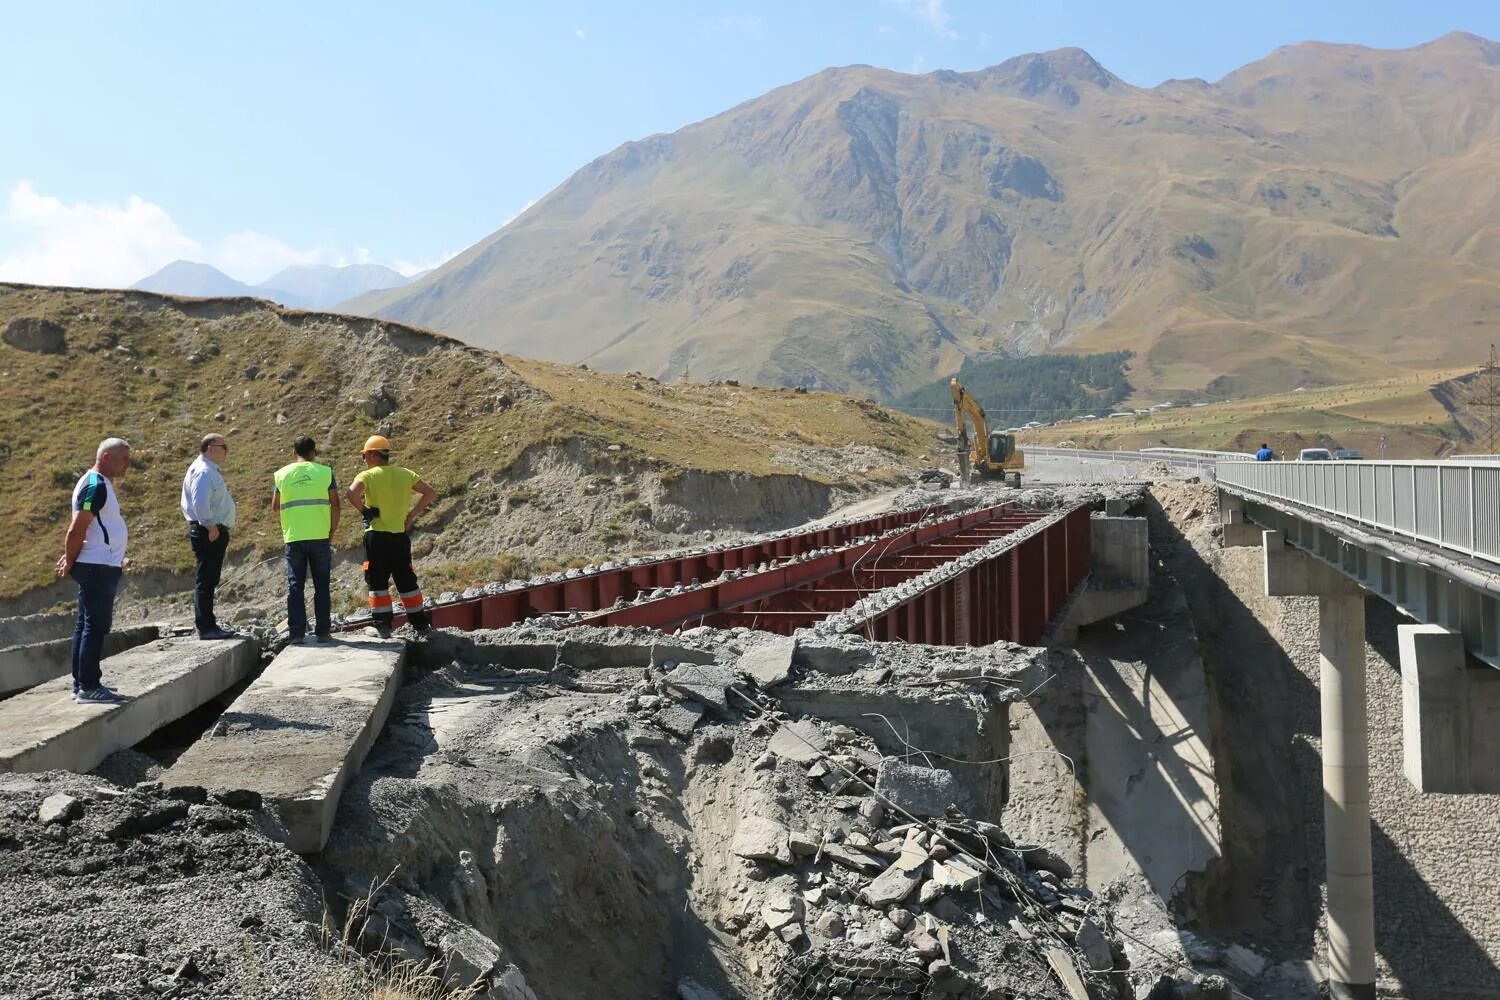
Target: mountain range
(1324, 214)
(302, 286)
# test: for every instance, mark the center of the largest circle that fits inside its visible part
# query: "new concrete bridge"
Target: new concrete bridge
(1424, 536)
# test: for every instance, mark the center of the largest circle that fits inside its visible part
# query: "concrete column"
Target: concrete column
(1346, 760)
(1346, 796)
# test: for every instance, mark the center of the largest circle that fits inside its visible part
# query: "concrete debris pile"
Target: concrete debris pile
(874, 883)
(1052, 497)
(724, 813)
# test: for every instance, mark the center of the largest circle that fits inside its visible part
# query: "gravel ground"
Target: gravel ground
(140, 895)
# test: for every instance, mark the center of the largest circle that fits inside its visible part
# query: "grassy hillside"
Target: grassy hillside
(161, 372)
(1405, 408)
(1014, 391)
(1322, 216)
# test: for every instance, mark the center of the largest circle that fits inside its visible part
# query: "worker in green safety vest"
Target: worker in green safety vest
(307, 500)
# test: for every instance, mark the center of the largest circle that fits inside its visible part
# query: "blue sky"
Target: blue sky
(256, 134)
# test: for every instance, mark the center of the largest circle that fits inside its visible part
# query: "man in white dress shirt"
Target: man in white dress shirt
(209, 510)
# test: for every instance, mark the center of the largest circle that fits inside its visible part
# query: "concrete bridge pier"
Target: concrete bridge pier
(1346, 760)
(1238, 532)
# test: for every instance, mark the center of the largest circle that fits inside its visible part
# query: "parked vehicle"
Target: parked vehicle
(1347, 455)
(1314, 455)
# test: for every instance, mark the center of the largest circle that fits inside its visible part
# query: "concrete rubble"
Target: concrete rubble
(715, 814)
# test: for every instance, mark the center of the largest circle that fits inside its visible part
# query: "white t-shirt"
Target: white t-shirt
(104, 544)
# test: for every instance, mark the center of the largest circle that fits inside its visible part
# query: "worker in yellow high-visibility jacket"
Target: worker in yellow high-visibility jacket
(307, 501)
(383, 494)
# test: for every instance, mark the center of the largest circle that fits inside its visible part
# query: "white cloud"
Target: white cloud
(46, 241)
(253, 257)
(931, 11)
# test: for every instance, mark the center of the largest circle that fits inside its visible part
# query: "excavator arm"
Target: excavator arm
(966, 406)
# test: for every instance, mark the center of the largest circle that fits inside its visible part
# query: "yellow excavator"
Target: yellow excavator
(993, 454)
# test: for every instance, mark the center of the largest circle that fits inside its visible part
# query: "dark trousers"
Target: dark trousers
(97, 586)
(302, 558)
(388, 555)
(210, 556)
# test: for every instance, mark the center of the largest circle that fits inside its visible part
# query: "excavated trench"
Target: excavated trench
(544, 820)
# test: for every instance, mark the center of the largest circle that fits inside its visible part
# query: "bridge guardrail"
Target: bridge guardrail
(1451, 505)
(1177, 457)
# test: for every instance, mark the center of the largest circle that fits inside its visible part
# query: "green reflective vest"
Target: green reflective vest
(306, 513)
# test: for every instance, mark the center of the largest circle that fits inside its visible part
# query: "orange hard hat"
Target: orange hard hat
(376, 443)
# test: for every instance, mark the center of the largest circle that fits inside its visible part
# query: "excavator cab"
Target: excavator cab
(1002, 447)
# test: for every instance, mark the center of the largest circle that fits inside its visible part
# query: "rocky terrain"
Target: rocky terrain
(1318, 216)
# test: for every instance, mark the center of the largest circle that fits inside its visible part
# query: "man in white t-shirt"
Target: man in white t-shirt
(93, 554)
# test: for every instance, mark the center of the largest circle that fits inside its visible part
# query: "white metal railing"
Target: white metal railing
(1217, 456)
(1452, 505)
(1177, 457)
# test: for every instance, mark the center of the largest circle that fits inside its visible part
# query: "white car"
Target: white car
(1314, 455)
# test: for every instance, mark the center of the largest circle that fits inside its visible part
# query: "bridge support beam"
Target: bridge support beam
(1346, 761)
(1449, 713)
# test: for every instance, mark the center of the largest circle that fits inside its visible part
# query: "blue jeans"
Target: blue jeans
(302, 557)
(97, 585)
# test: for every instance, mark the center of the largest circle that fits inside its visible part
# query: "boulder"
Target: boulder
(468, 957)
(1095, 946)
(36, 335)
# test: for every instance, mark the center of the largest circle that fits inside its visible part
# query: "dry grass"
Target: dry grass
(161, 372)
(1402, 407)
(384, 974)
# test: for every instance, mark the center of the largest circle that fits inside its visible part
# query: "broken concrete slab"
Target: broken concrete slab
(893, 885)
(921, 791)
(781, 909)
(802, 742)
(703, 682)
(26, 666)
(770, 663)
(299, 733)
(42, 729)
(854, 859)
(24, 630)
(760, 838)
(1062, 967)
(957, 873)
(679, 718)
